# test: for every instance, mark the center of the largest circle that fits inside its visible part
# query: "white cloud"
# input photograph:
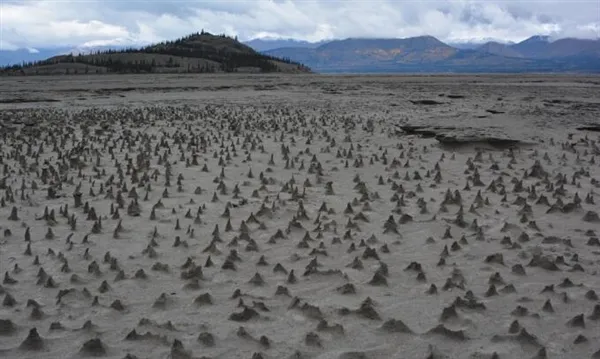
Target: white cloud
(32, 50)
(44, 23)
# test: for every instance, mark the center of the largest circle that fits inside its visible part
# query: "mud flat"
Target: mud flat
(299, 217)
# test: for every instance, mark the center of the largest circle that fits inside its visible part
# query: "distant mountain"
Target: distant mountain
(496, 48)
(532, 46)
(566, 48)
(270, 44)
(428, 54)
(345, 54)
(465, 45)
(200, 52)
(15, 57)
(540, 47)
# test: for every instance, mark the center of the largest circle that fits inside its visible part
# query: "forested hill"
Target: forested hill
(197, 53)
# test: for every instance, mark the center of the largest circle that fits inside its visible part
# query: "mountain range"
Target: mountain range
(268, 43)
(428, 54)
(414, 54)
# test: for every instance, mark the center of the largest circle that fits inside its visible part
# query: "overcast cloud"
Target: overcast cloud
(45, 23)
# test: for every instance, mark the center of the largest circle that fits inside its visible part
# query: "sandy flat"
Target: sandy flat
(300, 217)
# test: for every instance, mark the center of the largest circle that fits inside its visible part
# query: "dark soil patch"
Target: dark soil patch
(490, 142)
(426, 102)
(593, 128)
(27, 100)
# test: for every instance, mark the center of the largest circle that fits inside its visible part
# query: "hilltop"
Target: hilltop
(197, 53)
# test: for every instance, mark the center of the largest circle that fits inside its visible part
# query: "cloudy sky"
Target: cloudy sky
(45, 23)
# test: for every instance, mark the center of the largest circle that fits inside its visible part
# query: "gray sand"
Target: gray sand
(390, 244)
